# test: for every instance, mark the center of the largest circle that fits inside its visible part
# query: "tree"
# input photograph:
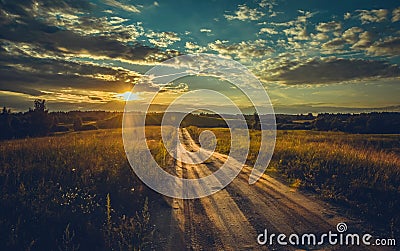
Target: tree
(5, 111)
(256, 122)
(77, 124)
(6, 131)
(374, 124)
(322, 123)
(40, 122)
(40, 106)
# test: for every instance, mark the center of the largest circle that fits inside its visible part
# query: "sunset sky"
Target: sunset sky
(311, 56)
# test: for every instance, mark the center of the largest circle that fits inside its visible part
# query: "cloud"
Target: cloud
(372, 16)
(365, 39)
(192, 47)
(126, 7)
(268, 30)
(267, 3)
(347, 16)
(351, 34)
(245, 50)
(78, 21)
(297, 28)
(319, 36)
(34, 75)
(59, 100)
(163, 39)
(50, 48)
(298, 32)
(244, 13)
(333, 45)
(270, 4)
(146, 86)
(73, 95)
(160, 56)
(387, 47)
(175, 87)
(334, 70)
(205, 30)
(61, 29)
(396, 15)
(329, 26)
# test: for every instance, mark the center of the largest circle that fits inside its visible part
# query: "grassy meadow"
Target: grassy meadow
(72, 191)
(77, 191)
(360, 172)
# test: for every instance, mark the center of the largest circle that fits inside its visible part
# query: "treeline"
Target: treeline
(368, 123)
(375, 122)
(38, 121)
(33, 123)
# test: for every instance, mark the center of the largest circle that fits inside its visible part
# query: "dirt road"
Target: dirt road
(232, 218)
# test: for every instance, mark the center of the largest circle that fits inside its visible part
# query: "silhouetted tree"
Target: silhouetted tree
(310, 116)
(255, 122)
(40, 122)
(6, 111)
(77, 124)
(322, 123)
(6, 131)
(40, 105)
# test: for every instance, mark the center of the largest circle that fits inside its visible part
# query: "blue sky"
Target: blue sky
(311, 56)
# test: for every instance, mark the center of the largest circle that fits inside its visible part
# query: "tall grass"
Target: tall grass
(361, 177)
(79, 180)
(361, 172)
(78, 190)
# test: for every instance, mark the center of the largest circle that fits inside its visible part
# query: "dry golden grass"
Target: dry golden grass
(56, 185)
(361, 172)
(71, 190)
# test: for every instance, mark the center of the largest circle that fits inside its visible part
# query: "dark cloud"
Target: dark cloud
(59, 42)
(29, 75)
(36, 51)
(371, 16)
(334, 44)
(387, 47)
(334, 70)
(364, 41)
(95, 98)
(144, 86)
(330, 26)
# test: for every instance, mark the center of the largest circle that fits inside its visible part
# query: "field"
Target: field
(71, 191)
(359, 172)
(77, 190)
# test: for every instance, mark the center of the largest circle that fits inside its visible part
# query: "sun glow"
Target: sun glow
(128, 96)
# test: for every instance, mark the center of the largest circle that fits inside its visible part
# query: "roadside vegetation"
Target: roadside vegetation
(359, 172)
(72, 191)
